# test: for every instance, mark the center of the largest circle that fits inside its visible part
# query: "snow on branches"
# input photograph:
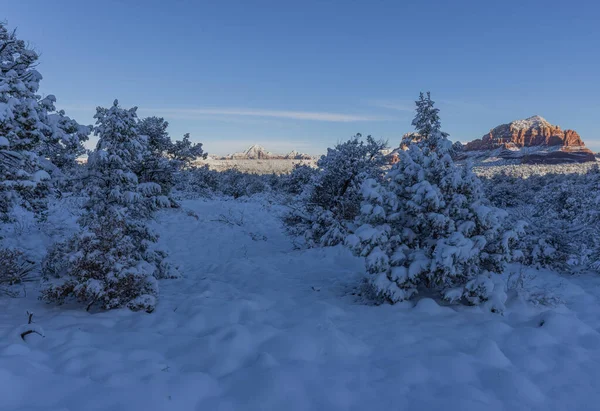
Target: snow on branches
(35, 140)
(110, 262)
(427, 224)
(332, 200)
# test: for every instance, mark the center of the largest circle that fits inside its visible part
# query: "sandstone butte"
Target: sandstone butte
(555, 145)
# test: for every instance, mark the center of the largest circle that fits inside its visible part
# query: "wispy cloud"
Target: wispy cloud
(191, 113)
(407, 106)
(294, 115)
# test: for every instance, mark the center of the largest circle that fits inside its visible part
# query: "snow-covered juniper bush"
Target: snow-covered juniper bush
(164, 158)
(110, 262)
(427, 224)
(332, 199)
(298, 179)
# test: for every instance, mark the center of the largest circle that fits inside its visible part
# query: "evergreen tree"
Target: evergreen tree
(428, 224)
(111, 261)
(164, 158)
(22, 180)
(119, 152)
(154, 165)
(183, 152)
(332, 200)
(427, 125)
(34, 138)
(427, 119)
(155, 129)
(64, 137)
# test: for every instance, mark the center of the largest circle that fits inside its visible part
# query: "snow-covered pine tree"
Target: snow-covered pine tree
(155, 167)
(332, 200)
(164, 158)
(183, 152)
(427, 120)
(64, 139)
(120, 150)
(60, 148)
(35, 139)
(23, 182)
(427, 224)
(155, 129)
(111, 262)
(427, 125)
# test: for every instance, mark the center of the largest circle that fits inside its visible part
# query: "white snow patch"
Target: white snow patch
(531, 122)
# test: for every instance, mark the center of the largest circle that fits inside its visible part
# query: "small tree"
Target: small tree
(427, 224)
(183, 152)
(110, 262)
(332, 200)
(34, 138)
(155, 130)
(63, 142)
(106, 264)
(164, 158)
(427, 120)
(427, 125)
(155, 167)
(23, 182)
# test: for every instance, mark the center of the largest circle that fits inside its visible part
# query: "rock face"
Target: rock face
(533, 140)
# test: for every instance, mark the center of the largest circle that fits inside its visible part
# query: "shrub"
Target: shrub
(427, 224)
(331, 201)
(15, 269)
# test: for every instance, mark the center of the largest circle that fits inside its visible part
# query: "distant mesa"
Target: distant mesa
(257, 152)
(533, 141)
(295, 155)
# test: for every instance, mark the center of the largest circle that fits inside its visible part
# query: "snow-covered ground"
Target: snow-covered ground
(527, 170)
(257, 325)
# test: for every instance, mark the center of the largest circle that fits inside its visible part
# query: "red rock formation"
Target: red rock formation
(531, 132)
(534, 132)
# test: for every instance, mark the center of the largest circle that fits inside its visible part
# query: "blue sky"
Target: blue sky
(304, 75)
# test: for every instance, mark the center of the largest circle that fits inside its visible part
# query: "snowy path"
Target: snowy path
(255, 325)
